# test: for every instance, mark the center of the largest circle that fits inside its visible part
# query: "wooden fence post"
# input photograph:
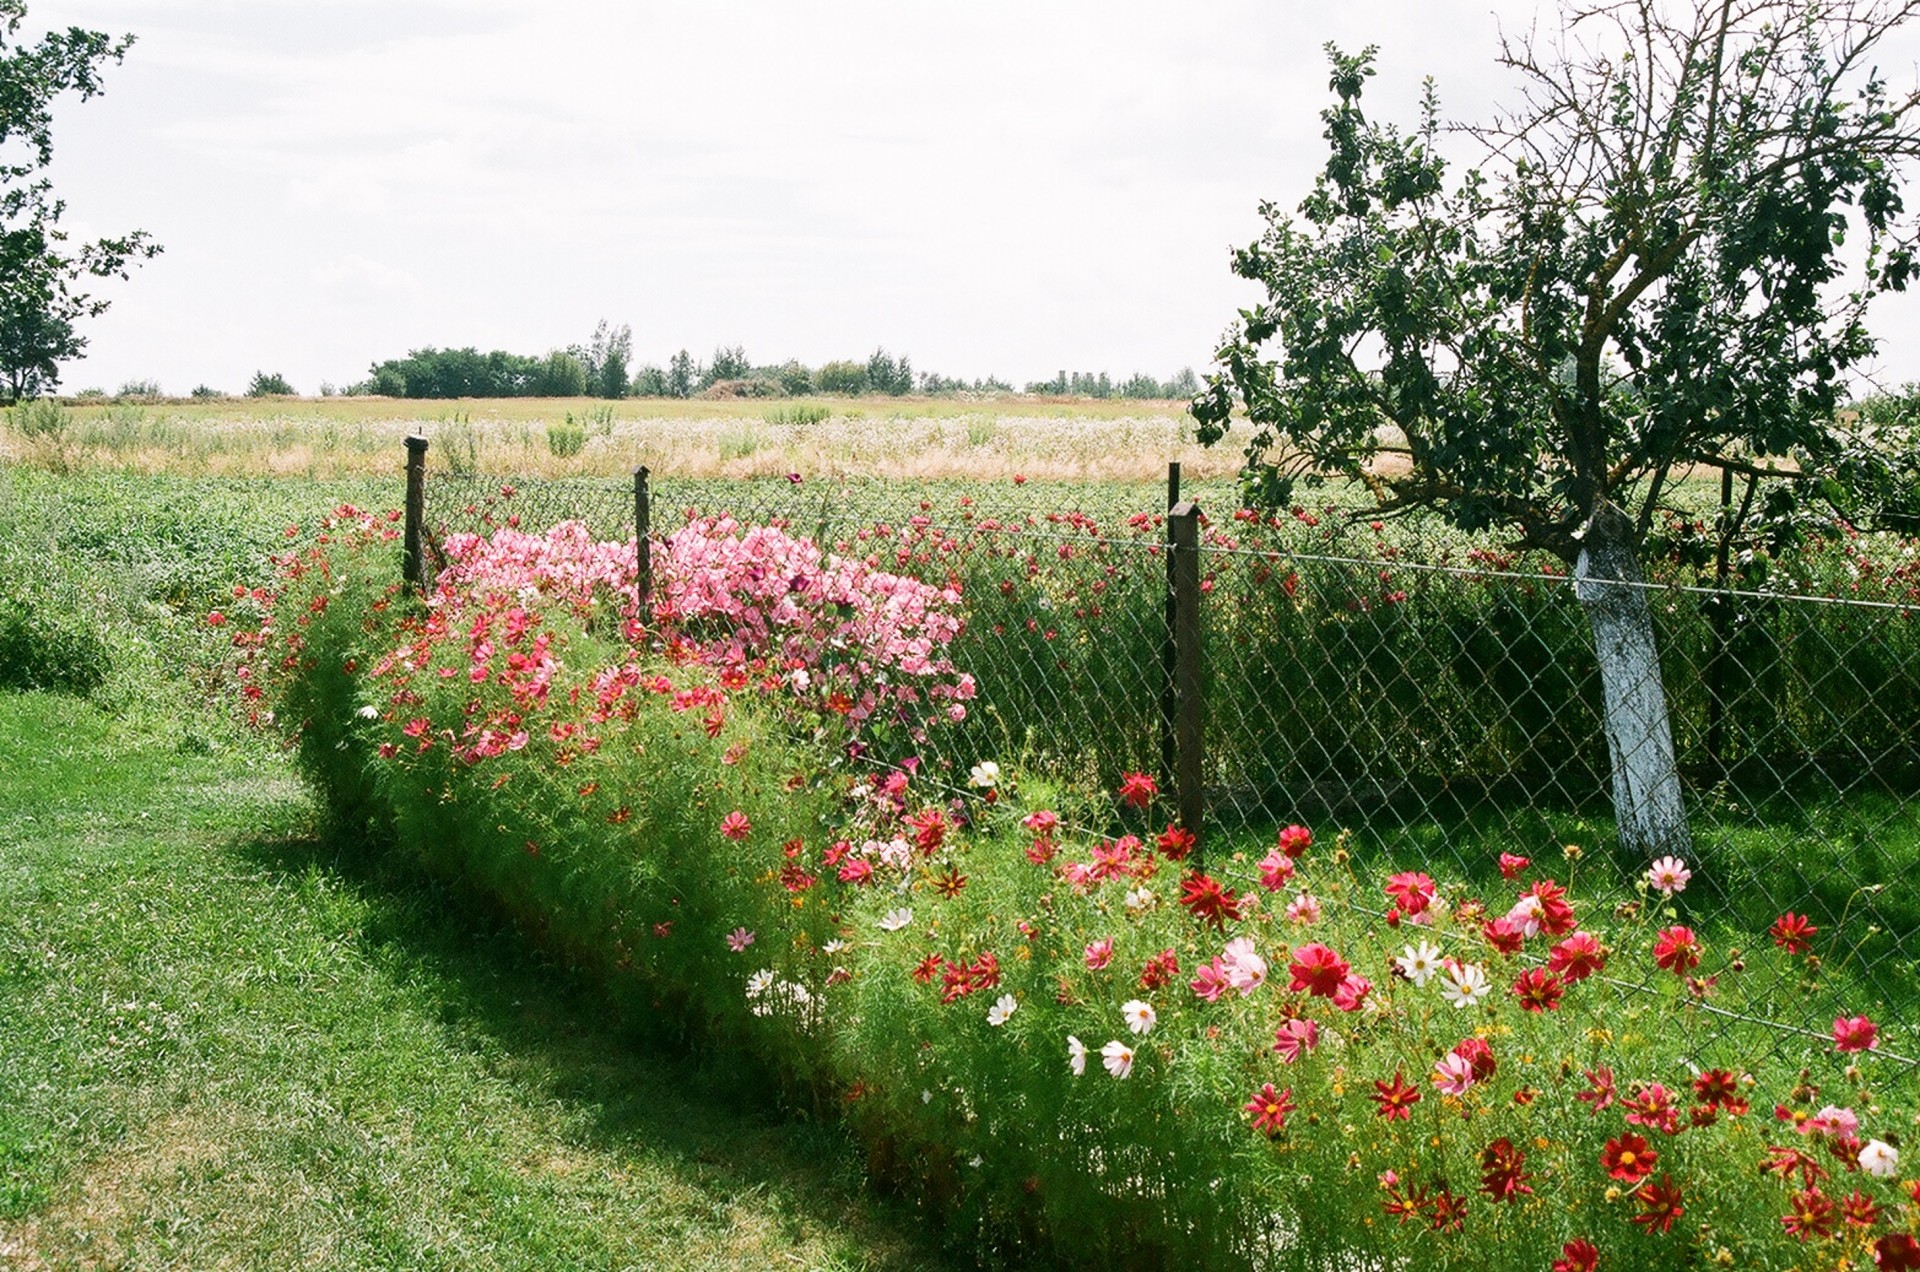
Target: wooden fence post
(412, 557)
(1168, 666)
(643, 538)
(1189, 767)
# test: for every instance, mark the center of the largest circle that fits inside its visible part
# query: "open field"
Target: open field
(883, 437)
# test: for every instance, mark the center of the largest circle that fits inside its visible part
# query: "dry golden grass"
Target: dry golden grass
(987, 438)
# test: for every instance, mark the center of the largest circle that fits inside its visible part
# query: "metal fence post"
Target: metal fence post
(1168, 666)
(643, 538)
(412, 557)
(1189, 766)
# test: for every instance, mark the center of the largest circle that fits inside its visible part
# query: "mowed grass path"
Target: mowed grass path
(220, 1048)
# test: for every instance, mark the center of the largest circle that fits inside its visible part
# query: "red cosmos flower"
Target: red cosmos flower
(1294, 1038)
(1897, 1253)
(735, 826)
(1677, 949)
(1040, 851)
(1628, 1159)
(1511, 866)
(1208, 900)
(1411, 893)
(1295, 840)
(1505, 935)
(1855, 1033)
(1396, 1098)
(1318, 970)
(1270, 1108)
(1810, 1214)
(1478, 1053)
(1538, 989)
(1159, 970)
(1599, 1093)
(1137, 790)
(1556, 916)
(1652, 1105)
(794, 878)
(1353, 991)
(1662, 1202)
(1784, 1161)
(929, 830)
(1793, 933)
(1577, 1255)
(1577, 957)
(1175, 843)
(1860, 1210)
(1042, 822)
(928, 968)
(1449, 1212)
(1501, 1176)
(1720, 1089)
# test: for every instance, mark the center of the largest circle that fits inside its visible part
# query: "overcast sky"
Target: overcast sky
(1005, 187)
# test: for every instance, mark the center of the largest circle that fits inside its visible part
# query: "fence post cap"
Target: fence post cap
(417, 444)
(1185, 508)
(641, 471)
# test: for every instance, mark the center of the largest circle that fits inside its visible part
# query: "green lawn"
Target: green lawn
(224, 1045)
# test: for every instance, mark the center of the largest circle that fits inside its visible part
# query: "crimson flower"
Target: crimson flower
(1270, 1108)
(1538, 989)
(1784, 1161)
(1810, 1214)
(1793, 933)
(1719, 1088)
(1505, 934)
(1501, 1176)
(1855, 1033)
(1652, 1105)
(928, 968)
(1318, 970)
(1411, 892)
(1208, 900)
(1478, 1053)
(1860, 1210)
(1449, 1212)
(1897, 1253)
(1295, 840)
(1556, 916)
(1159, 970)
(1577, 957)
(1175, 843)
(1662, 1205)
(1353, 991)
(1600, 1091)
(1577, 1255)
(1677, 949)
(1628, 1159)
(1137, 790)
(1396, 1098)
(1512, 866)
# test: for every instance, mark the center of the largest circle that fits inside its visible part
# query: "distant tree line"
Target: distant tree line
(600, 368)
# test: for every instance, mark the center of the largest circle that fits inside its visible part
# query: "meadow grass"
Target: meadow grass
(229, 1045)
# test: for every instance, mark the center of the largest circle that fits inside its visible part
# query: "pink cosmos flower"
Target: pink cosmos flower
(1831, 1121)
(1352, 992)
(1295, 1038)
(1855, 1033)
(1453, 1074)
(1318, 970)
(739, 939)
(1304, 909)
(1577, 957)
(1210, 981)
(1270, 1108)
(735, 826)
(1295, 840)
(1099, 953)
(1246, 970)
(1512, 866)
(1668, 876)
(1276, 868)
(1137, 790)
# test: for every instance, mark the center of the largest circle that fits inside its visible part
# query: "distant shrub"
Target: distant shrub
(794, 378)
(40, 419)
(797, 413)
(565, 440)
(208, 391)
(269, 384)
(46, 639)
(848, 378)
(139, 389)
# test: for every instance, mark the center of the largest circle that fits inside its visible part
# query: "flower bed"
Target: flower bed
(1082, 1037)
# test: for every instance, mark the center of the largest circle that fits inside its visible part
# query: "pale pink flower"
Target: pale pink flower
(1831, 1121)
(1304, 909)
(1295, 1038)
(1246, 970)
(1453, 1074)
(739, 939)
(1275, 869)
(1668, 875)
(1210, 981)
(1117, 1056)
(1100, 953)
(1139, 1015)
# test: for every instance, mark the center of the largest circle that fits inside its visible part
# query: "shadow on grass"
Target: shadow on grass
(632, 1082)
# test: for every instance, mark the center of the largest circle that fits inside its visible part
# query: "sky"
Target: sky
(1000, 187)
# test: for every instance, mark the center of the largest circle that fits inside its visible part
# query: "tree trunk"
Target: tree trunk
(1646, 783)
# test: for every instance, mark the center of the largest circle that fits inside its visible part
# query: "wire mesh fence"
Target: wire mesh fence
(1436, 698)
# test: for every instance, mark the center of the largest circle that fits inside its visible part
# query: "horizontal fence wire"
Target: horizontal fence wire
(1435, 697)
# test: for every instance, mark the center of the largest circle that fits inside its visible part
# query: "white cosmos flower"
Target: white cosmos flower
(894, 920)
(1464, 984)
(368, 713)
(1880, 1159)
(833, 947)
(985, 774)
(1419, 963)
(1140, 1015)
(760, 982)
(1118, 1057)
(1139, 899)
(1003, 1007)
(1076, 1055)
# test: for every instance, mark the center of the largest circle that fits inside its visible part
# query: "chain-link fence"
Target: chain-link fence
(1437, 698)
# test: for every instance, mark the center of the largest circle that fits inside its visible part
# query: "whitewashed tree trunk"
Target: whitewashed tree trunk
(1646, 783)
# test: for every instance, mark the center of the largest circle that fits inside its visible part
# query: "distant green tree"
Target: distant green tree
(650, 381)
(40, 300)
(794, 378)
(269, 384)
(847, 378)
(727, 364)
(682, 375)
(561, 375)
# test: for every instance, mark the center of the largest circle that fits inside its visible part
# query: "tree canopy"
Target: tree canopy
(1661, 260)
(41, 273)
